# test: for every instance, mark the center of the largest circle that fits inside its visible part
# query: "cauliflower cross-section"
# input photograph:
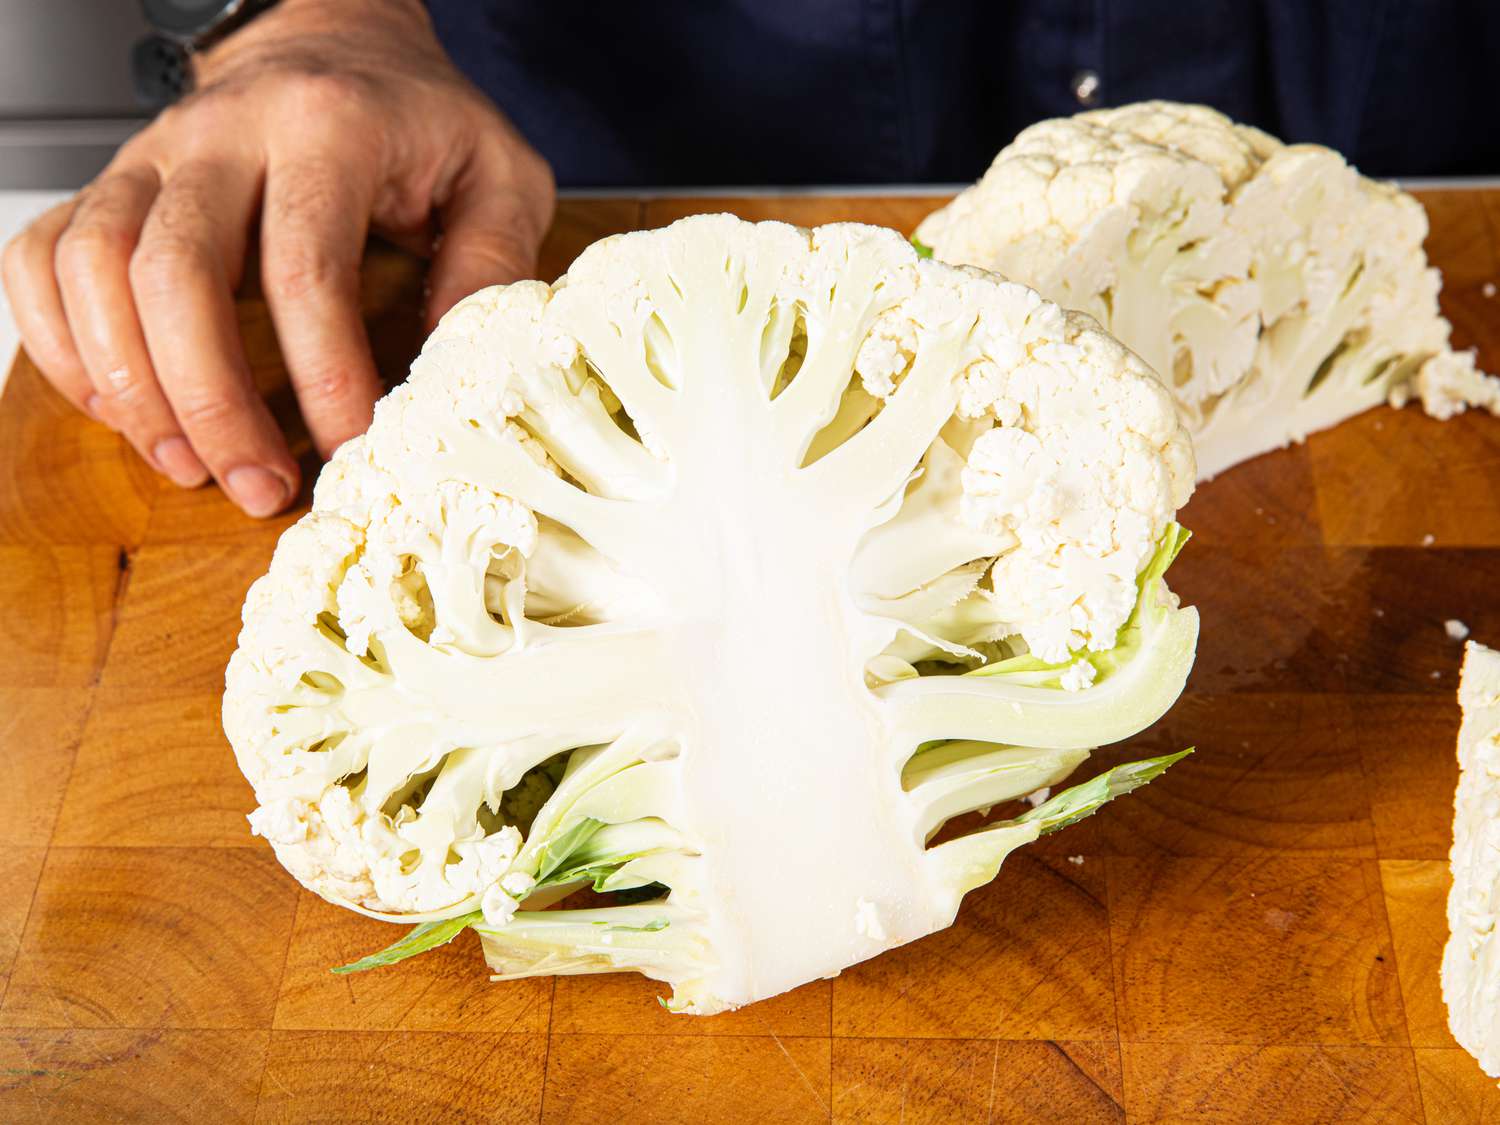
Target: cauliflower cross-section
(717, 577)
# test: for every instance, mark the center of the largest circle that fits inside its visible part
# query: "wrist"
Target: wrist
(336, 16)
(295, 27)
(335, 13)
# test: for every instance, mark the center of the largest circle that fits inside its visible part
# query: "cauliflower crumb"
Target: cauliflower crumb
(497, 906)
(1488, 289)
(517, 884)
(1078, 676)
(1038, 796)
(1429, 539)
(1456, 629)
(1076, 860)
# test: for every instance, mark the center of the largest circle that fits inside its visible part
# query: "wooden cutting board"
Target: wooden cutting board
(1254, 937)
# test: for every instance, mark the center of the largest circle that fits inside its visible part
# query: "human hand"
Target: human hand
(324, 119)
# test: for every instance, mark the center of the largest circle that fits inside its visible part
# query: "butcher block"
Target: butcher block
(1253, 937)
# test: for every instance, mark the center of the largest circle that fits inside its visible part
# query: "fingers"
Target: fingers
(313, 228)
(31, 286)
(493, 223)
(124, 298)
(181, 276)
(92, 265)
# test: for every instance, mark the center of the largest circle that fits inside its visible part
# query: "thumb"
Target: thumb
(492, 225)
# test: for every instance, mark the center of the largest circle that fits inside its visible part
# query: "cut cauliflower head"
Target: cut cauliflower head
(1273, 288)
(718, 577)
(1471, 959)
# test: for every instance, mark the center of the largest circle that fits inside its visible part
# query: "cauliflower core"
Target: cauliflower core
(717, 576)
(1272, 287)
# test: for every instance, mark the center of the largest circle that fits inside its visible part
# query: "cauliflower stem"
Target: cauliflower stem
(573, 849)
(615, 938)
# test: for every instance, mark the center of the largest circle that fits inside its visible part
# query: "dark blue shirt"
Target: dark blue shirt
(758, 92)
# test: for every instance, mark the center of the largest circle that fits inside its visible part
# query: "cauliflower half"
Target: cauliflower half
(1275, 290)
(718, 577)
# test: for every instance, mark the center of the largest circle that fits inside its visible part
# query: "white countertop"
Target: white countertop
(17, 208)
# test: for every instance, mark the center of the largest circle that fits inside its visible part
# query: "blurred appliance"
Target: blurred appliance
(67, 92)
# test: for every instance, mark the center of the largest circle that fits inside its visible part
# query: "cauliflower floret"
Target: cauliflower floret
(886, 353)
(1085, 523)
(346, 854)
(309, 559)
(1449, 384)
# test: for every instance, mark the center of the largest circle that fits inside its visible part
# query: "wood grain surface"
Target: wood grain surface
(1254, 937)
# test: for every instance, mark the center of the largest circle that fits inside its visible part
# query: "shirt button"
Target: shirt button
(1086, 87)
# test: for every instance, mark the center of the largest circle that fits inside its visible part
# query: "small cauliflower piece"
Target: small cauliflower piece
(1471, 960)
(716, 577)
(1274, 289)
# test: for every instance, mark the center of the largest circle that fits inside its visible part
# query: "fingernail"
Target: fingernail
(175, 457)
(259, 491)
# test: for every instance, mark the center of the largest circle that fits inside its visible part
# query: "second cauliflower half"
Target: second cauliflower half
(1274, 289)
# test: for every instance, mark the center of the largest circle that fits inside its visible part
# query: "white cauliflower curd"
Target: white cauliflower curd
(1274, 289)
(717, 577)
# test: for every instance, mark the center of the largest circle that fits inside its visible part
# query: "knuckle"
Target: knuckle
(185, 201)
(13, 262)
(129, 392)
(171, 118)
(206, 120)
(208, 414)
(87, 245)
(517, 162)
(310, 189)
(138, 154)
(175, 125)
(535, 173)
(112, 187)
(500, 255)
(320, 92)
(26, 257)
(160, 262)
(206, 138)
(293, 273)
(325, 386)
